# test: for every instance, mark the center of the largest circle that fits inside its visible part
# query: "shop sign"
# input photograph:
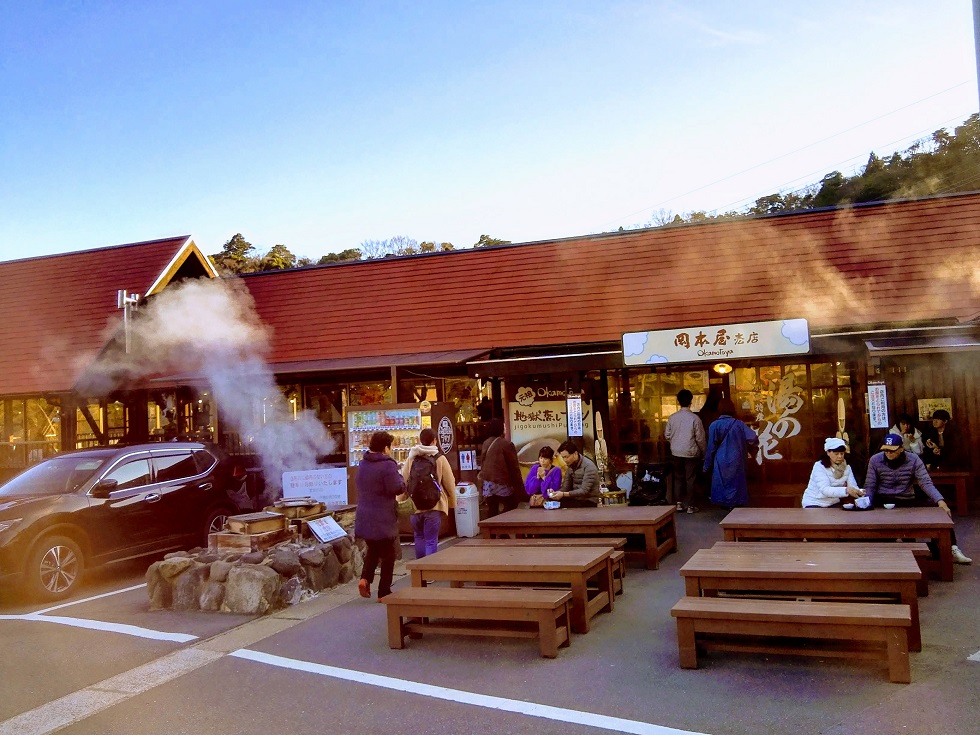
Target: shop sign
(721, 342)
(928, 406)
(538, 416)
(328, 485)
(446, 435)
(878, 405)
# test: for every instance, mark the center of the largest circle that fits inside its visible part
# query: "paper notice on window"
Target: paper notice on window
(878, 405)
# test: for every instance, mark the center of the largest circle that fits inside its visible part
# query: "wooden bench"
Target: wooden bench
(499, 612)
(844, 630)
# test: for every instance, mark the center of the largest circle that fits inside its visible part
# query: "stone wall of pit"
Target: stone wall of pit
(252, 583)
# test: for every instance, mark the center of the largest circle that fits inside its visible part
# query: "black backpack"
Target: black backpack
(423, 487)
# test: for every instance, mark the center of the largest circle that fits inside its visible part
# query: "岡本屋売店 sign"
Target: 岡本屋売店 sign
(718, 342)
(329, 485)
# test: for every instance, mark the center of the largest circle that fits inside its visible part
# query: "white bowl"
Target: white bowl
(848, 506)
(889, 506)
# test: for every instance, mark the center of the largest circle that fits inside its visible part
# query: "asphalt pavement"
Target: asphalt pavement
(325, 665)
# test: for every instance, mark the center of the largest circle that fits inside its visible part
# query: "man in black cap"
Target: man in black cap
(938, 440)
(890, 480)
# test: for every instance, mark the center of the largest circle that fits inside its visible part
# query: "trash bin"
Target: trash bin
(467, 510)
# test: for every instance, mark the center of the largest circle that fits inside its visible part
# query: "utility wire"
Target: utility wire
(784, 155)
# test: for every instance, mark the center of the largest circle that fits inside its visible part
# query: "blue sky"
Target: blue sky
(319, 125)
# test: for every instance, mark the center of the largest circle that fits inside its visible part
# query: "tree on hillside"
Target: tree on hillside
(236, 256)
(342, 257)
(278, 258)
(486, 241)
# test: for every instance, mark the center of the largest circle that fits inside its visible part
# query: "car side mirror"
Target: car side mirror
(102, 488)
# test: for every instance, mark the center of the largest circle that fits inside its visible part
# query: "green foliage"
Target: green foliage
(278, 258)
(486, 241)
(342, 257)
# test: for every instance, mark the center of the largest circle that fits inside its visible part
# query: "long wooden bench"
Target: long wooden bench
(500, 612)
(826, 629)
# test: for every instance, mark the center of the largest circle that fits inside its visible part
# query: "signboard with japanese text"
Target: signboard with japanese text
(326, 529)
(878, 405)
(718, 342)
(574, 404)
(329, 485)
(537, 415)
(928, 406)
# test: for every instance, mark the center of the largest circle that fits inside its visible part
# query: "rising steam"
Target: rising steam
(209, 327)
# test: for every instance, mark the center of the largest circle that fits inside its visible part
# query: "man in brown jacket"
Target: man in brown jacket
(503, 486)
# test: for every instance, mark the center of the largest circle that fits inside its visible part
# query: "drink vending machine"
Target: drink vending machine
(403, 421)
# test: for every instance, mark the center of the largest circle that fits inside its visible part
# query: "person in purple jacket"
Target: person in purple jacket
(545, 477)
(379, 484)
(890, 480)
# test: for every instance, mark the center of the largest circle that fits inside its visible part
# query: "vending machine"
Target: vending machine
(403, 421)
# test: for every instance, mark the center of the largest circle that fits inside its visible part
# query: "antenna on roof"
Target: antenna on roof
(126, 302)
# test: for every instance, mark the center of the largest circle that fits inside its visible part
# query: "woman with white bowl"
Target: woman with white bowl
(831, 478)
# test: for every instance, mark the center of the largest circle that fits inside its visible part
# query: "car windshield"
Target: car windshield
(55, 476)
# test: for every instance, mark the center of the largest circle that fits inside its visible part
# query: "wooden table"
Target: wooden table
(654, 522)
(755, 571)
(833, 524)
(527, 565)
(958, 479)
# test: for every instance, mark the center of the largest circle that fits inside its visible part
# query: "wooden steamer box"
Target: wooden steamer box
(251, 532)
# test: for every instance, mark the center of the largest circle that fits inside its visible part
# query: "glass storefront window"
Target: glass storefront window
(366, 394)
(329, 404)
(822, 373)
(465, 394)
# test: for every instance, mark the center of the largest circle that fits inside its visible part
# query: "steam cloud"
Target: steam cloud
(209, 327)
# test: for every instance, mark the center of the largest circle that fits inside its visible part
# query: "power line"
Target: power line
(784, 155)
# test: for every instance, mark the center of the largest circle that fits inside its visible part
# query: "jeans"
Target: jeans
(382, 550)
(425, 526)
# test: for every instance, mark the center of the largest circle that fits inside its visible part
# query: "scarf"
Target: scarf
(839, 470)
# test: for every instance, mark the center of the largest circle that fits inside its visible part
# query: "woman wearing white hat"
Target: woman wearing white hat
(831, 478)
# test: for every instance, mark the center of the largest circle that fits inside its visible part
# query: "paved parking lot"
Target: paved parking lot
(326, 664)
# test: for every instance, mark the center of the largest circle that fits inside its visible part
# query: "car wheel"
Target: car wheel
(215, 522)
(55, 568)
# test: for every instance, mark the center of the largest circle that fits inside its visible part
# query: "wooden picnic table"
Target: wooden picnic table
(958, 479)
(755, 571)
(527, 565)
(655, 523)
(835, 524)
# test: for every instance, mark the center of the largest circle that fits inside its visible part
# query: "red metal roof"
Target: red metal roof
(884, 263)
(59, 310)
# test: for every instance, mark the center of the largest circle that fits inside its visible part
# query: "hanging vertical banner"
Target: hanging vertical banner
(574, 409)
(878, 405)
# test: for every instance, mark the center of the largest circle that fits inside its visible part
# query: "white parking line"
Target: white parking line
(974, 657)
(587, 719)
(133, 630)
(89, 599)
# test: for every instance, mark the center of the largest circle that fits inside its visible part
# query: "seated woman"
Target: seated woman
(544, 477)
(911, 437)
(831, 478)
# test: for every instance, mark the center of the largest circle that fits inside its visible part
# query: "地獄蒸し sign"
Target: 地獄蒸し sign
(718, 342)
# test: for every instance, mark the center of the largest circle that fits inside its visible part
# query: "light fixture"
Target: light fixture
(722, 368)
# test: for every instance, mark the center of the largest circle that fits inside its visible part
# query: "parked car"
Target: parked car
(94, 506)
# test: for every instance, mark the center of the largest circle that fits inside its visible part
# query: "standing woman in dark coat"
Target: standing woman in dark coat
(503, 486)
(729, 444)
(379, 483)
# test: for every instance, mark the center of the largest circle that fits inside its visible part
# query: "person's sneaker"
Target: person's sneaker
(364, 588)
(959, 557)
(691, 509)
(680, 507)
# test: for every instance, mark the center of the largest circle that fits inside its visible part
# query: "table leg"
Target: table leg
(730, 534)
(606, 583)
(692, 588)
(945, 555)
(910, 597)
(580, 604)
(547, 634)
(417, 580)
(650, 541)
(396, 632)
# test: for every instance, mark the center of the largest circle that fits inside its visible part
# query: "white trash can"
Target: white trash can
(467, 510)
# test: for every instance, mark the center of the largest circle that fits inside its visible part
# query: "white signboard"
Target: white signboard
(466, 460)
(718, 342)
(329, 485)
(326, 529)
(574, 404)
(878, 405)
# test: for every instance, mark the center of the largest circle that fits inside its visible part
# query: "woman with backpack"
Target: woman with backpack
(427, 465)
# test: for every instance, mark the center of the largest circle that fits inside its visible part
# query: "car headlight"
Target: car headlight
(9, 523)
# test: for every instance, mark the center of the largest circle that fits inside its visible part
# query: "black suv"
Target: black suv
(95, 506)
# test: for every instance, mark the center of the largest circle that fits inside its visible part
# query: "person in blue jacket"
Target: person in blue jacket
(730, 443)
(379, 484)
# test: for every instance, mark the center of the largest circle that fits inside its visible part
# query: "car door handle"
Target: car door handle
(205, 486)
(152, 497)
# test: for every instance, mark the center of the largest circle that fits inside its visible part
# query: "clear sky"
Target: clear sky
(319, 125)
